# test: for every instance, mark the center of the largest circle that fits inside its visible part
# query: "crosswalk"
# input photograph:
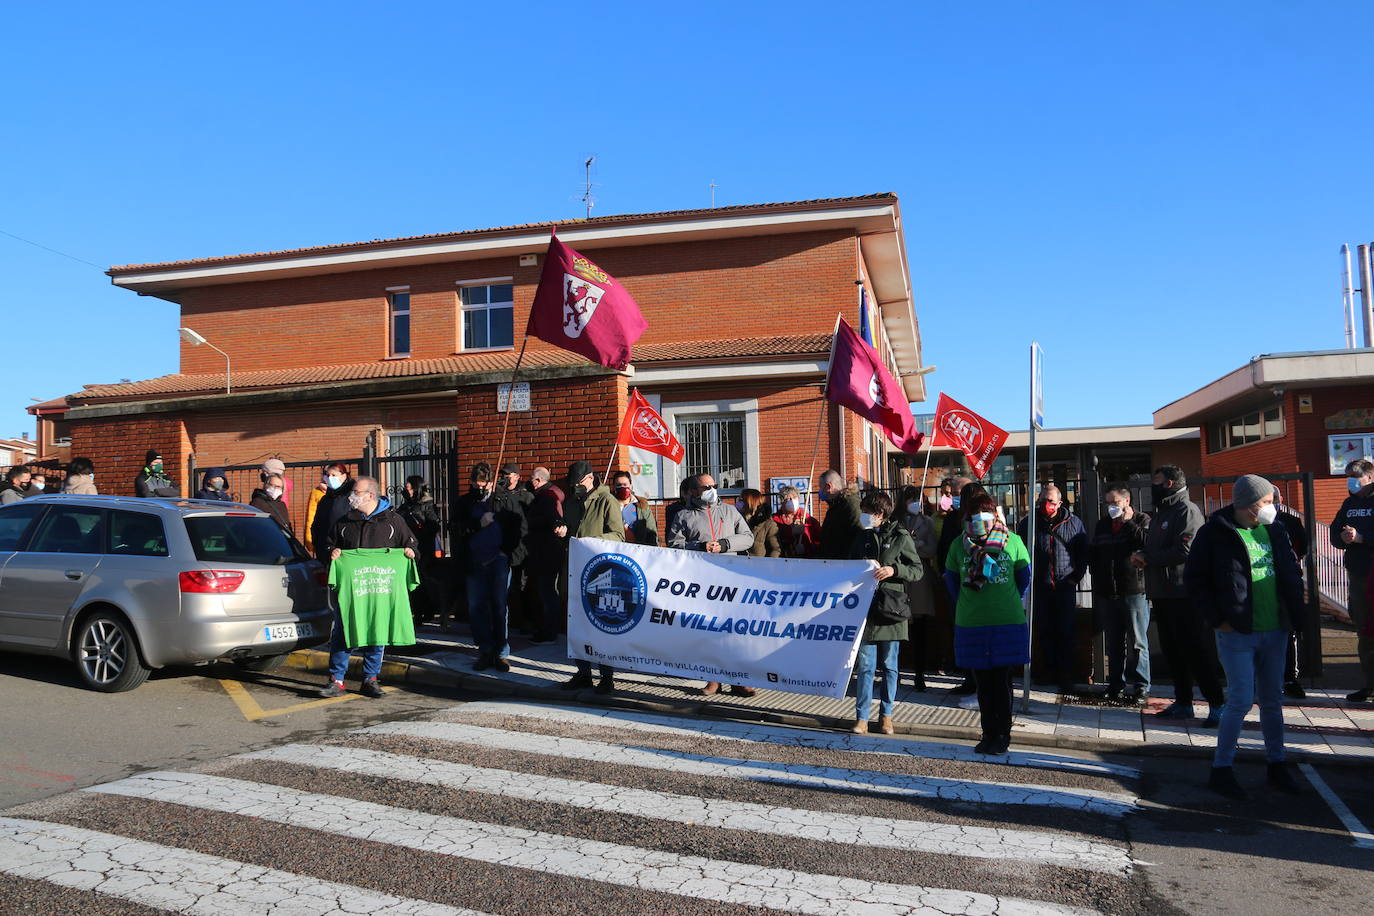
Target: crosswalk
(508, 807)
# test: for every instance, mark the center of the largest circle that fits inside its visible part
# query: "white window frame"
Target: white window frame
(391, 312)
(462, 310)
(1330, 451)
(1224, 428)
(685, 410)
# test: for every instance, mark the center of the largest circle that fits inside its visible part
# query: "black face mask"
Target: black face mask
(1159, 492)
(580, 491)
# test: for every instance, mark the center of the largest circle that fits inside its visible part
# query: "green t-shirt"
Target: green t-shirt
(1264, 584)
(999, 601)
(374, 586)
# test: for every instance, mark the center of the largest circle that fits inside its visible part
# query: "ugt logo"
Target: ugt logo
(962, 427)
(614, 593)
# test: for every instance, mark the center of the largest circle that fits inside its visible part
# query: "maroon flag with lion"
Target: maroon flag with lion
(581, 308)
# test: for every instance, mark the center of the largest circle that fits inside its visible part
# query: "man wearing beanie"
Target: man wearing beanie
(1186, 641)
(1243, 578)
(150, 481)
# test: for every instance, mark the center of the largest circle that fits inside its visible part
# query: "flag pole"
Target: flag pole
(825, 406)
(510, 398)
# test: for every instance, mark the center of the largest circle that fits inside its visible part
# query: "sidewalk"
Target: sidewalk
(1321, 728)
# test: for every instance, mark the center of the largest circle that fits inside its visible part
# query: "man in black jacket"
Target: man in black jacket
(151, 482)
(1061, 561)
(490, 525)
(1352, 531)
(370, 523)
(1188, 644)
(1119, 596)
(841, 525)
(1243, 580)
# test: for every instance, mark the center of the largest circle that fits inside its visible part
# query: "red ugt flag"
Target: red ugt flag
(644, 428)
(958, 427)
(859, 380)
(581, 308)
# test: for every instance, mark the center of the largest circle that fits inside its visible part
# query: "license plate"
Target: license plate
(288, 631)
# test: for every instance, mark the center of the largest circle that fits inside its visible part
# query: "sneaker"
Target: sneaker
(1223, 782)
(607, 685)
(578, 681)
(1176, 710)
(371, 688)
(1360, 695)
(1294, 691)
(335, 689)
(1213, 719)
(885, 725)
(1281, 778)
(860, 727)
(1113, 695)
(500, 664)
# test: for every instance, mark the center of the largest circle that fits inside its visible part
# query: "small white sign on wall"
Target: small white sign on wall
(521, 400)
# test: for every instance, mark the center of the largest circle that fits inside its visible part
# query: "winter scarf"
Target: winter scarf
(983, 542)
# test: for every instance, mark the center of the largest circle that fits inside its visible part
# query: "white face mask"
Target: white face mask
(709, 496)
(789, 505)
(356, 500)
(36, 485)
(334, 482)
(867, 521)
(1266, 514)
(913, 508)
(1115, 511)
(274, 492)
(986, 518)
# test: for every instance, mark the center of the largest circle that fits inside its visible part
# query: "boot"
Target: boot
(711, 689)
(1281, 778)
(1223, 782)
(607, 684)
(860, 727)
(578, 681)
(885, 725)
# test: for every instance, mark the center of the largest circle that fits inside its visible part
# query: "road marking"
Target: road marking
(1363, 838)
(183, 881)
(797, 823)
(253, 712)
(592, 860)
(791, 737)
(1112, 804)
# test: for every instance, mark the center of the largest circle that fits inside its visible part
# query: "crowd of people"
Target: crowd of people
(1225, 591)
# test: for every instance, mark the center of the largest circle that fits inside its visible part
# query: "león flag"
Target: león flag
(581, 308)
(859, 380)
(644, 428)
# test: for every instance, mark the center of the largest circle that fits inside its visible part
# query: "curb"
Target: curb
(405, 672)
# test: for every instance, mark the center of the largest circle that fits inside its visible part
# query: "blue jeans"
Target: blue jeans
(1253, 663)
(1126, 630)
(871, 655)
(487, 587)
(338, 654)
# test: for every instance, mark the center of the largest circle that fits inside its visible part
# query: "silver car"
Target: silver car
(122, 586)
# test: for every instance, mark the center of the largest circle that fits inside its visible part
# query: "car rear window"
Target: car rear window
(241, 539)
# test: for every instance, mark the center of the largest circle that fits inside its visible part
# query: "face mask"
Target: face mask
(867, 521)
(156, 466)
(1353, 484)
(789, 505)
(947, 503)
(274, 492)
(580, 491)
(985, 518)
(1158, 492)
(334, 482)
(1114, 511)
(1267, 514)
(709, 496)
(217, 485)
(355, 500)
(36, 485)
(622, 493)
(913, 508)
(1049, 509)
(954, 502)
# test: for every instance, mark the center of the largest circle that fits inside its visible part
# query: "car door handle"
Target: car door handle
(75, 574)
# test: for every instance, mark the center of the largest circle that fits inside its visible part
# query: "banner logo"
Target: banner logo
(580, 300)
(614, 593)
(875, 391)
(963, 428)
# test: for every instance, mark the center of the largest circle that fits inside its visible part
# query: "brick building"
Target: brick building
(400, 344)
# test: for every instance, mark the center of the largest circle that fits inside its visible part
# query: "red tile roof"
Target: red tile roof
(496, 361)
(596, 221)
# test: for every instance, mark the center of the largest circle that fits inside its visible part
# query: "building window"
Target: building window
(1243, 430)
(398, 323)
(488, 316)
(714, 445)
(1348, 447)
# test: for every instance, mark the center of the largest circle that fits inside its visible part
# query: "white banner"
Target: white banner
(783, 624)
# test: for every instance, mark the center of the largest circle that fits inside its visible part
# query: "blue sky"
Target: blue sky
(1156, 191)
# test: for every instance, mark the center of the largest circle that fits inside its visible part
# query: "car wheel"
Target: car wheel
(106, 653)
(260, 663)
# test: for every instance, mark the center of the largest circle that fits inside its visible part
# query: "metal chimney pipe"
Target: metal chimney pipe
(1347, 299)
(1366, 294)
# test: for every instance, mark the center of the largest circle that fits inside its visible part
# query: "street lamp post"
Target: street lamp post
(195, 340)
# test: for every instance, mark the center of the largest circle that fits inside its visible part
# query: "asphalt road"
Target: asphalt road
(422, 804)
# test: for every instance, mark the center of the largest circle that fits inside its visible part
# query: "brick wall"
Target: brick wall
(753, 287)
(117, 447)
